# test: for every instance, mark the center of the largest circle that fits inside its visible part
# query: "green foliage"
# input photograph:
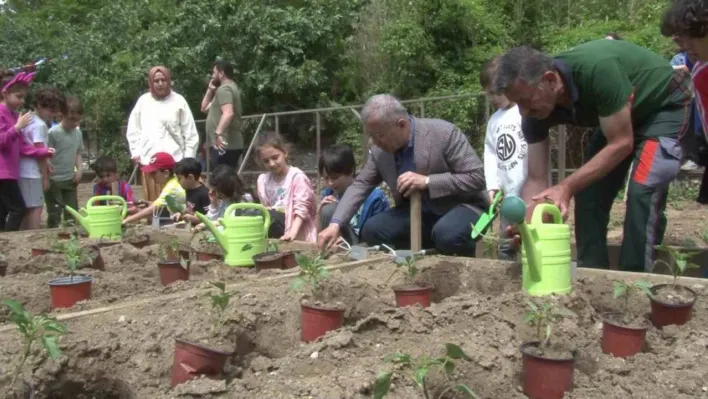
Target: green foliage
(679, 261)
(420, 367)
(272, 246)
(170, 250)
(74, 254)
(219, 303)
(411, 269)
(173, 205)
(544, 316)
(34, 328)
(312, 272)
(622, 289)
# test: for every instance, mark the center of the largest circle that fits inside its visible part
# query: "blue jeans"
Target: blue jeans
(449, 233)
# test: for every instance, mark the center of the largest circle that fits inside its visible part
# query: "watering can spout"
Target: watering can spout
(220, 236)
(77, 215)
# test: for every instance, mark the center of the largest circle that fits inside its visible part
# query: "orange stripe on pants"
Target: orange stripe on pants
(151, 188)
(645, 162)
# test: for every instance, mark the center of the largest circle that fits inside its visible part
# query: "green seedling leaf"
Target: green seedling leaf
(15, 306)
(564, 312)
(465, 389)
(532, 305)
(49, 342)
(297, 284)
(398, 358)
(455, 352)
(620, 289)
(219, 285)
(449, 367)
(382, 384)
(419, 375)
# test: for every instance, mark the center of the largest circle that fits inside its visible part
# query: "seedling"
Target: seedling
(207, 242)
(312, 272)
(679, 262)
(490, 247)
(420, 367)
(74, 254)
(411, 270)
(33, 328)
(624, 290)
(219, 302)
(171, 250)
(272, 246)
(544, 317)
(173, 205)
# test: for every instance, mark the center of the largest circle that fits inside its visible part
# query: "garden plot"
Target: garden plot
(128, 272)
(477, 304)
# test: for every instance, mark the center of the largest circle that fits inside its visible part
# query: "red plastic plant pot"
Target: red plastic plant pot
(664, 314)
(192, 360)
(546, 378)
(411, 295)
(171, 272)
(289, 260)
(316, 321)
(3, 268)
(619, 340)
(268, 260)
(66, 291)
(207, 256)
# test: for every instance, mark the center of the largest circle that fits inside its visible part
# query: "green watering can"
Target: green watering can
(102, 221)
(545, 255)
(242, 236)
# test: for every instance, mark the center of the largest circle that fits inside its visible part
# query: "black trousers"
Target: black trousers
(229, 157)
(12, 205)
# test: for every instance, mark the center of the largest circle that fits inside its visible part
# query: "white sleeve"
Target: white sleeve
(189, 131)
(39, 133)
(133, 130)
(490, 157)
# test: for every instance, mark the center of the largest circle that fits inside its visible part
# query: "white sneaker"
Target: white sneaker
(689, 165)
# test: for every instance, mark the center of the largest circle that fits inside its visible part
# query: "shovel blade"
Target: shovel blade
(357, 252)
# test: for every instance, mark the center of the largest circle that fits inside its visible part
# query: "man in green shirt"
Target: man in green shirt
(222, 101)
(640, 107)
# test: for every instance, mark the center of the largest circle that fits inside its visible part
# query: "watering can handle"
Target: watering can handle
(249, 205)
(91, 201)
(540, 209)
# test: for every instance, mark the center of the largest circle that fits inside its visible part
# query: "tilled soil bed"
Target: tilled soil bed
(477, 305)
(130, 273)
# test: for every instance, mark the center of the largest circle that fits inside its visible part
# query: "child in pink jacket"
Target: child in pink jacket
(13, 90)
(287, 193)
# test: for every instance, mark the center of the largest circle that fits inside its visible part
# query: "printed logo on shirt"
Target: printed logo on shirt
(511, 146)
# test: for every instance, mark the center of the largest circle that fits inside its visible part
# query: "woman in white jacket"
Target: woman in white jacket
(161, 121)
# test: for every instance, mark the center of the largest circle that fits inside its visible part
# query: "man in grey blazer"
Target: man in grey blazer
(409, 154)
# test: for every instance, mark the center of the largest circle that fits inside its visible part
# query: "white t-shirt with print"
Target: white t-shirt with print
(36, 132)
(505, 152)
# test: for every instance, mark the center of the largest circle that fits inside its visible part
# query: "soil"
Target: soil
(551, 351)
(477, 305)
(269, 256)
(678, 296)
(628, 320)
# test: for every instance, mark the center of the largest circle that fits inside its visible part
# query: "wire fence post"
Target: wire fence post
(318, 124)
(422, 109)
(277, 124)
(250, 146)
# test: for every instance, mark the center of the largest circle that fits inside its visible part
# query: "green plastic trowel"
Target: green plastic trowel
(486, 219)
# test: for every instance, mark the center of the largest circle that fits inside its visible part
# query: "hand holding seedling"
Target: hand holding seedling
(679, 261)
(545, 315)
(420, 367)
(33, 328)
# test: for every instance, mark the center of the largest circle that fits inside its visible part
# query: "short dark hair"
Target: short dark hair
(226, 67)
(686, 18)
(226, 182)
(50, 97)
(189, 166)
(613, 35)
(523, 63)
(74, 104)
(105, 164)
(486, 77)
(337, 160)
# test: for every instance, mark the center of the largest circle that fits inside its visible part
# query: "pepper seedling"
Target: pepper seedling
(411, 269)
(272, 246)
(74, 254)
(219, 303)
(34, 328)
(679, 262)
(420, 367)
(312, 272)
(171, 250)
(545, 315)
(624, 290)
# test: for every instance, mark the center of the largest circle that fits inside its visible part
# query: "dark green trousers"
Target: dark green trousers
(655, 162)
(60, 193)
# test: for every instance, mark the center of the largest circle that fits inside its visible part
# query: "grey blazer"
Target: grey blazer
(442, 153)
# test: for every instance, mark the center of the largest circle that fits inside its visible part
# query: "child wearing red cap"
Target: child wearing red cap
(161, 169)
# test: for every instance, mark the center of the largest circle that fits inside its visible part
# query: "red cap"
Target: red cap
(159, 161)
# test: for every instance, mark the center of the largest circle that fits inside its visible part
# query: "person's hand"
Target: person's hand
(45, 184)
(191, 219)
(50, 168)
(328, 237)
(682, 68)
(289, 236)
(136, 160)
(23, 120)
(512, 232)
(177, 216)
(492, 194)
(220, 143)
(559, 195)
(330, 199)
(409, 182)
(212, 86)
(77, 176)
(51, 151)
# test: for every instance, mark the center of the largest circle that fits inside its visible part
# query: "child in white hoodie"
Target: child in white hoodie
(505, 151)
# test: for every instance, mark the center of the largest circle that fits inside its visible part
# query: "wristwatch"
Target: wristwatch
(427, 181)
